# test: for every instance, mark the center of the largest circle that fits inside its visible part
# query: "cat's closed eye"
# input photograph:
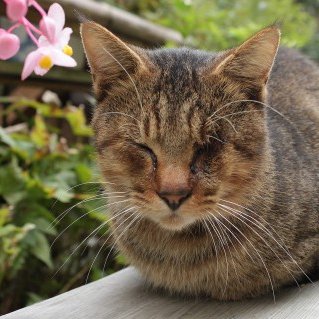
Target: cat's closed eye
(149, 152)
(203, 155)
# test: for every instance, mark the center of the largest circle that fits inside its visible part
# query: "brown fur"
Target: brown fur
(168, 128)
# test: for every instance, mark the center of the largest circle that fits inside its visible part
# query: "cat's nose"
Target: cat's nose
(174, 199)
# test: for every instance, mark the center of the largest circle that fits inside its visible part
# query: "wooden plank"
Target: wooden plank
(124, 295)
(119, 21)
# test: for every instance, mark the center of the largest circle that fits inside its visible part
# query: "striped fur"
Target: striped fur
(169, 117)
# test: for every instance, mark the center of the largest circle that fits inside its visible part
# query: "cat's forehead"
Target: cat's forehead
(178, 65)
(178, 109)
(178, 79)
(167, 58)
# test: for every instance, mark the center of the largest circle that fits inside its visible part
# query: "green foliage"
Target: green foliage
(42, 177)
(221, 24)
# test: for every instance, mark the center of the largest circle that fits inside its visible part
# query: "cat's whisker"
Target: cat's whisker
(235, 237)
(83, 215)
(225, 244)
(59, 218)
(87, 183)
(224, 230)
(211, 222)
(129, 76)
(78, 185)
(239, 242)
(257, 216)
(103, 245)
(116, 215)
(216, 138)
(260, 257)
(228, 121)
(212, 121)
(84, 240)
(215, 246)
(221, 108)
(258, 102)
(238, 216)
(267, 231)
(139, 216)
(283, 245)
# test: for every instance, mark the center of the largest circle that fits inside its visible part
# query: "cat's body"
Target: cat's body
(244, 219)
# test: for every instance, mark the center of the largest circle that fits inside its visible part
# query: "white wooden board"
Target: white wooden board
(124, 295)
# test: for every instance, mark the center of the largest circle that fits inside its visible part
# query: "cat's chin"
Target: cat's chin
(175, 222)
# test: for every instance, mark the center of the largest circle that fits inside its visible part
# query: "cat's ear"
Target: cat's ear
(252, 61)
(107, 55)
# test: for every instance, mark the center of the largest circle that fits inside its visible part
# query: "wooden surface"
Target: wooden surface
(124, 295)
(120, 22)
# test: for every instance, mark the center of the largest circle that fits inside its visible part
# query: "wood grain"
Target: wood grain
(124, 295)
(119, 21)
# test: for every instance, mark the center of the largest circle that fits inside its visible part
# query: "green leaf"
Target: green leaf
(4, 215)
(61, 182)
(121, 260)
(12, 182)
(76, 118)
(6, 138)
(24, 147)
(8, 229)
(39, 134)
(84, 172)
(33, 298)
(27, 211)
(45, 226)
(41, 248)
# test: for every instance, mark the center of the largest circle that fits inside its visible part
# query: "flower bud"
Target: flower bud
(9, 45)
(16, 9)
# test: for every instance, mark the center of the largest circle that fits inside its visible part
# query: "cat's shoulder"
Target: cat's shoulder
(292, 62)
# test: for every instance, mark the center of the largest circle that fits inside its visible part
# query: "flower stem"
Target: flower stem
(17, 25)
(37, 7)
(31, 35)
(26, 22)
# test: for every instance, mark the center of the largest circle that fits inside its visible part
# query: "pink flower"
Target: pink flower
(9, 44)
(53, 48)
(52, 25)
(53, 45)
(42, 60)
(16, 9)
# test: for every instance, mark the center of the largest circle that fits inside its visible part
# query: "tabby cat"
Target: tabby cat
(210, 162)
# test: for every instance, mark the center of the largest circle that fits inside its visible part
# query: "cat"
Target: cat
(210, 162)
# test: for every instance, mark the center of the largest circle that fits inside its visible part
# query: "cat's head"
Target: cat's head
(177, 130)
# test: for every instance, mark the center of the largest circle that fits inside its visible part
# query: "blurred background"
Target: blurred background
(51, 202)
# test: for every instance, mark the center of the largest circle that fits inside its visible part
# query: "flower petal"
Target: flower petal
(49, 29)
(61, 59)
(30, 63)
(40, 71)
(43, 41)
(64, 37)
(56, 13)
